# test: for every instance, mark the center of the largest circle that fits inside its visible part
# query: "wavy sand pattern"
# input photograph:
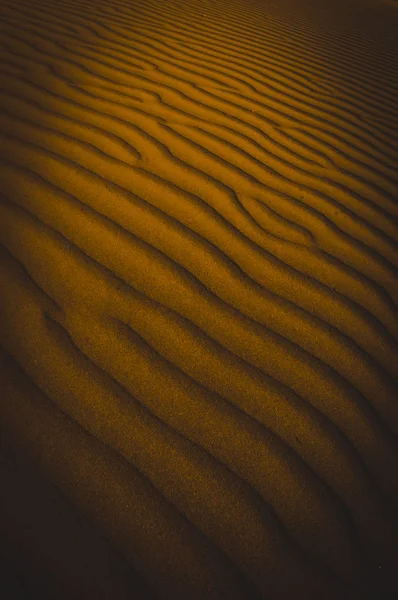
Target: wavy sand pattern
(199, 235)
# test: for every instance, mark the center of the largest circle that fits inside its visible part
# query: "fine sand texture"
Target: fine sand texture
(198, 310)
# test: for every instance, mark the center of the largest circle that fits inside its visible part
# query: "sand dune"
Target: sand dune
(198, 274)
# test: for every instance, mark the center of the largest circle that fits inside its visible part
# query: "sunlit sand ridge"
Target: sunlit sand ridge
(198, 346)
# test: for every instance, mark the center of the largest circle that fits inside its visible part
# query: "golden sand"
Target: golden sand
(198, 275)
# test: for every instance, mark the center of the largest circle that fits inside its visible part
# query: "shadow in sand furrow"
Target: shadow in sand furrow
(226, 177)
(332, 99)
(54, 107)
(162, 62)
(266, 146)
(343, 152)
(197, 49)
(98, 143)
(111, 422)
(33, 52)
(281, 219)
(328, 389)
(176, 249)
(162, 545)
(213, 269)
(332, 156)
(46, 380)
(40, 14)
(348, 39)
(68, 173)
(280, 405)
(11, 69)
(55, 170)
(285, 95)
(307, 110)
(387, 226)
(275, 224)
(282, 69)
(65, 46)
(257, 140)
(382, 150)
(206, 34)
(84, 27)
(281, 40)
(222, 512)
(234, 163)
(123, 154)
(54, 551)
(35, 24)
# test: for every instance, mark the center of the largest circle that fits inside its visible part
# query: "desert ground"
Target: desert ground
(198, 299)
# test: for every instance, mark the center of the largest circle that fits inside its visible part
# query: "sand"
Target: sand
(198, 275)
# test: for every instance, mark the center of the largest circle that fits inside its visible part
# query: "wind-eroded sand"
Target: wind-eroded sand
(198, 345)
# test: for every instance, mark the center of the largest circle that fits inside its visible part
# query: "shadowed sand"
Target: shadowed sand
(198, 274)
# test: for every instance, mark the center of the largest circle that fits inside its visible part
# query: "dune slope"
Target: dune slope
(198, 274)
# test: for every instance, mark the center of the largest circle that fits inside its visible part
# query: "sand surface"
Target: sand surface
(198, 310)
